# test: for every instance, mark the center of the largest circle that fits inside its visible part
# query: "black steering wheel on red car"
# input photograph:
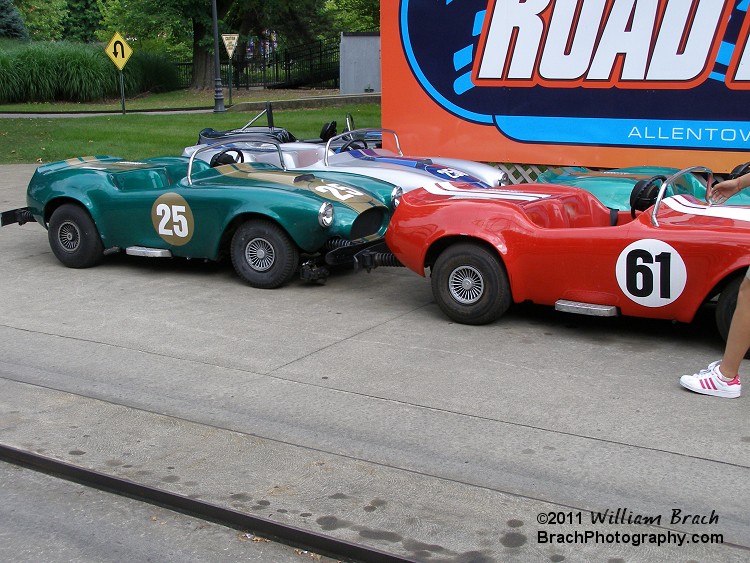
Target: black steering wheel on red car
(644, 194)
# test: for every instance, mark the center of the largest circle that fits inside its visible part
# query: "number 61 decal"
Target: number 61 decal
(173, 219)
(651, 273)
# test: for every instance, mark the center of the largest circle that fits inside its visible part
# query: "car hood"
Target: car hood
(368, 161)
(243, 176)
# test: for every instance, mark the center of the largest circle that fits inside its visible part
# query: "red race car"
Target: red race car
(558, 245)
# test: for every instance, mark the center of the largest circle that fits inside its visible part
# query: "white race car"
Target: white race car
(358, 152)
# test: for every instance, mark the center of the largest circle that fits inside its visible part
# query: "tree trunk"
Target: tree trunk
(203, 57)
(203, 63)
(203, 69)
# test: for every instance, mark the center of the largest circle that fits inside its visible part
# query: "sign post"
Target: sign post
(119, 51)
(230, 43)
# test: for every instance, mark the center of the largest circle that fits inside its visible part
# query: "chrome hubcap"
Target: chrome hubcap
(259, 254)
(69, 236)
(466, 285)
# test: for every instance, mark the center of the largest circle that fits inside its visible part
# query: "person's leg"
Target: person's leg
(738, 341)
(721, 378)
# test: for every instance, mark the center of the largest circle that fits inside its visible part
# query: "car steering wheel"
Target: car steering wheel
(644, 194)
(353, 144)
(739, 170)
(328, 131)
(223, 157)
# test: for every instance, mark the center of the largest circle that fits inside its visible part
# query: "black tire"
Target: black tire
(725, 306)
(470, 284)
(74, 238)
(263, 254)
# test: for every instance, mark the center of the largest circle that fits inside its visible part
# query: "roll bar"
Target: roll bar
(228, 142)
(671, 180)
(354, 134)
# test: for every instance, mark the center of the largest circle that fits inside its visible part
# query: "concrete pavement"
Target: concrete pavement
(357, 409)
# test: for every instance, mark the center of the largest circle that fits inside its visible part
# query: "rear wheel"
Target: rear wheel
(74, 238)
(470, 284)
(263, 254)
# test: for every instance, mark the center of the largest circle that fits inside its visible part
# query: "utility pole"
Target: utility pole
(218, 90)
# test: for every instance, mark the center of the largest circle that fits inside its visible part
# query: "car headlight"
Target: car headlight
(396, 196)
(325, 215)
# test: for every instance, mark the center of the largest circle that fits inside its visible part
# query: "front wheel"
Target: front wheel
(74, 238)
(263, 254)
(470, 284)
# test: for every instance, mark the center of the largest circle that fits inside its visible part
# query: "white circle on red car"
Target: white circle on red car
(651, 273)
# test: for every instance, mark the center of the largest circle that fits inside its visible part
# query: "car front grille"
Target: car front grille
(368, 223)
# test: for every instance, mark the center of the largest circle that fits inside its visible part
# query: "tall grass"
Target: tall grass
(152, 72)
(62, 71)
(77, 72)
(8, 77)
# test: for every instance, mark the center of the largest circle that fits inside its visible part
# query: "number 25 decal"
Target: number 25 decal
(651, 273)
(173, 219)
(338, 191)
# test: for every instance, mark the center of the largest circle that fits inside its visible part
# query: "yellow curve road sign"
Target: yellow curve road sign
(119, 51)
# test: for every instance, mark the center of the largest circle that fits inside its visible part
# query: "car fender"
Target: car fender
(70, 181)
(299, 220)
(296, 213)
(488, 223)
(45, 199)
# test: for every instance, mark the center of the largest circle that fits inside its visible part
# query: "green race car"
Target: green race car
(271, 223)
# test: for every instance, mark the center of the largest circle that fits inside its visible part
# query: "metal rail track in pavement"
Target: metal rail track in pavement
(283, 533)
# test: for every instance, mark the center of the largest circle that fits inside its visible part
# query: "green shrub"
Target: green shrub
(78, 72)
(154, 71)
(62, 71)
(9, 82)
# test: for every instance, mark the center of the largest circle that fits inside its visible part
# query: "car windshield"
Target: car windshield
(127, 180)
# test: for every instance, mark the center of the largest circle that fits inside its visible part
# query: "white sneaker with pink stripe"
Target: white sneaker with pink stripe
(709, 382)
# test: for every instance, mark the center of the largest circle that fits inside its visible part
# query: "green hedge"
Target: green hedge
(78, 72)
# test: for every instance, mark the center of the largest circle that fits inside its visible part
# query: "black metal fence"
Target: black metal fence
(314, 64)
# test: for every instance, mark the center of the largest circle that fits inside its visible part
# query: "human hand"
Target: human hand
(719, 193)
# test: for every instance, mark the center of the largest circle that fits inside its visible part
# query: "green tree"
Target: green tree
(149, 25)
(353, 15)
(11, 24)
(43, 18)
(191, 21)
(82, 21)
(293, 21)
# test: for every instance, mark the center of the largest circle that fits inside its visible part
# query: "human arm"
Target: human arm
(719, 193)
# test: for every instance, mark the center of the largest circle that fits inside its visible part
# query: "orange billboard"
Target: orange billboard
(601, 83)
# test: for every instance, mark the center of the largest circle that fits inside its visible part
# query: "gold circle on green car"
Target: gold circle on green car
(173, 219)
